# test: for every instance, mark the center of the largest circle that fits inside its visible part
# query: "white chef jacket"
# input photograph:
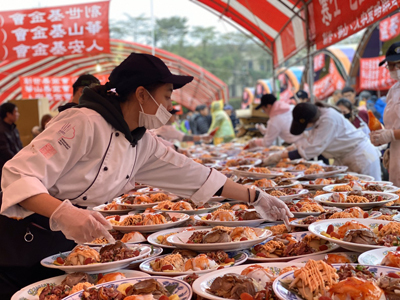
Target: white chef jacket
(391, 119)
(169, 133)
(82, 158)
(279, 126)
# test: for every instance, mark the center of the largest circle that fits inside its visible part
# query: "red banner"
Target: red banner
(334, 20)
(389, 28)
(373, 77)
(319, 62)
(325, 87)
(55, 31)
(58, 90)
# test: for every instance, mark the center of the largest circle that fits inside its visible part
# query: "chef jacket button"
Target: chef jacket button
(84, 198)
(127, 176)
(105, 169)
(117, 134)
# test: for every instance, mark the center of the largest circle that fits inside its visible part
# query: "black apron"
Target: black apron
(23, 244)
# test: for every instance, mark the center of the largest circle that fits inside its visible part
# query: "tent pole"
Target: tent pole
(273, 70)
(309, 54)
(152, 28)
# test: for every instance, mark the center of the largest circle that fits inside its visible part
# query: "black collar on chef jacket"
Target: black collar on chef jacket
(111, 112)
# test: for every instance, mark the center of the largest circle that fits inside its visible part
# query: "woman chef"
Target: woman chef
(92, 153)
(391, 117)
(330, 134)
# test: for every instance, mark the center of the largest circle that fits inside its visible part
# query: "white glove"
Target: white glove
(80, 225)
(254, 143)
(206, 138)
(273, 159)
(386, 159)
(261, 128)
(271, 208)
(383, 136)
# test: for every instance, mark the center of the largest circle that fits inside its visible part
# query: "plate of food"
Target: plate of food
(132, 237)
(288, 246)
(231, 218)
(350, 176)
(159, 238)
(245, 279)
(185, 262)
(333, 213)
(219, 237)
(339, 282)
(317, 184)
(358, 235)
(113, 208)
(361, 199)
(308, 207)
(263, 183)
(144, 198)
(139, 288)
(331, 258)
(388, 256)
(71, 283)
(355, 186)
(286, 194)
(187, 206)
(255, 172)
(147, 222)
(94, 260)
(241, 161)
(315, 171)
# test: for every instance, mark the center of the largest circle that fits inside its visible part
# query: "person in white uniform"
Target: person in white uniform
(330, 134)
(391, 117)
(93, 153)
(280, 118)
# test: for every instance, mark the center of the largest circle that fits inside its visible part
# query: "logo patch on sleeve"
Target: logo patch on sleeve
(48, 151)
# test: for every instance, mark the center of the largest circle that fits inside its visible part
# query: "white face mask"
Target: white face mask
(395, 75)
(154, 121)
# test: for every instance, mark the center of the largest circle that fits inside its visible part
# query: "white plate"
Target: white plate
(95, 268)
(129, 243)
(321, 256)
(283, 293)
(320, 226)
(373, 215)
(251, 223)
(202, 284)
(145, 266)
(182, 289)
(338, 169)
(153, 228)
(323, 199)
(297, 236)
(30, 292)
(180, 240)
(306, 214)
(152, 238)
(147, 205)
(194, 211)
(155, 251)
(386, 188)
(361, 177)
(375, 257)
(255, 174)
(307, 185)
(290, 197)
(100, 208)
(255, 161)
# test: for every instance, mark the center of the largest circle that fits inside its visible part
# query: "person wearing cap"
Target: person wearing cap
(391, 117)
(280, 118)
(202, 120)
(92, 153)
(301, 96)
(327, 132)
(232, 115)
(77, 90)
(170, 133)
(222, 122)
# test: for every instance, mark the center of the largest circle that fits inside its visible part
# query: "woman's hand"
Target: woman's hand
(80, 225)
(381, 137)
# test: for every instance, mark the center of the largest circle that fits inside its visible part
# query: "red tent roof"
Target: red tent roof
(202, 90)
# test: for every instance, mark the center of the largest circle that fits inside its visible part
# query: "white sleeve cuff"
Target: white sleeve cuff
(213, 183)
(19, 191)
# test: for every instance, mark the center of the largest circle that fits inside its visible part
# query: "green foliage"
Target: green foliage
(236, 102)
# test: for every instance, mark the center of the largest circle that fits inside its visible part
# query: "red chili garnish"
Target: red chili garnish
(163, 297)
(208, 217)
(88, 261)
(380, 227)
(323, 247)
(330, 229)
(128, 289)
(366, 215)
(190, 242)
(105, 208)
(166, 206)
(60, 260)
(261, 254)
(167, 267)
(335, 235)
(246, 296)
(240, 219)
(243, 239)
(117, 218)
(219, 268)
(257, 247)
(393, 275)
(174, 219)
(136, 253)
(157, 259)
(99, 276)
(398, 248)
(324, 298)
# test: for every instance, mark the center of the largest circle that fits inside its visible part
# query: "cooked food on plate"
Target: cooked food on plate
(184, 204)
(142, 219)
(306, 205)
(239, 162)
(230, 215)
(337, 258)
(351, 212)
(221, 234)
(131, 237)
(392, 259)
(115, 206)
(355, 197)
(144, 198)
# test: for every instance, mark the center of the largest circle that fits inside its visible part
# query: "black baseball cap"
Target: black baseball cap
(392, 54)
(174, 111)
(265, 100)
(301, 94)
(140, 69)
(302, 113)
(85, 80)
